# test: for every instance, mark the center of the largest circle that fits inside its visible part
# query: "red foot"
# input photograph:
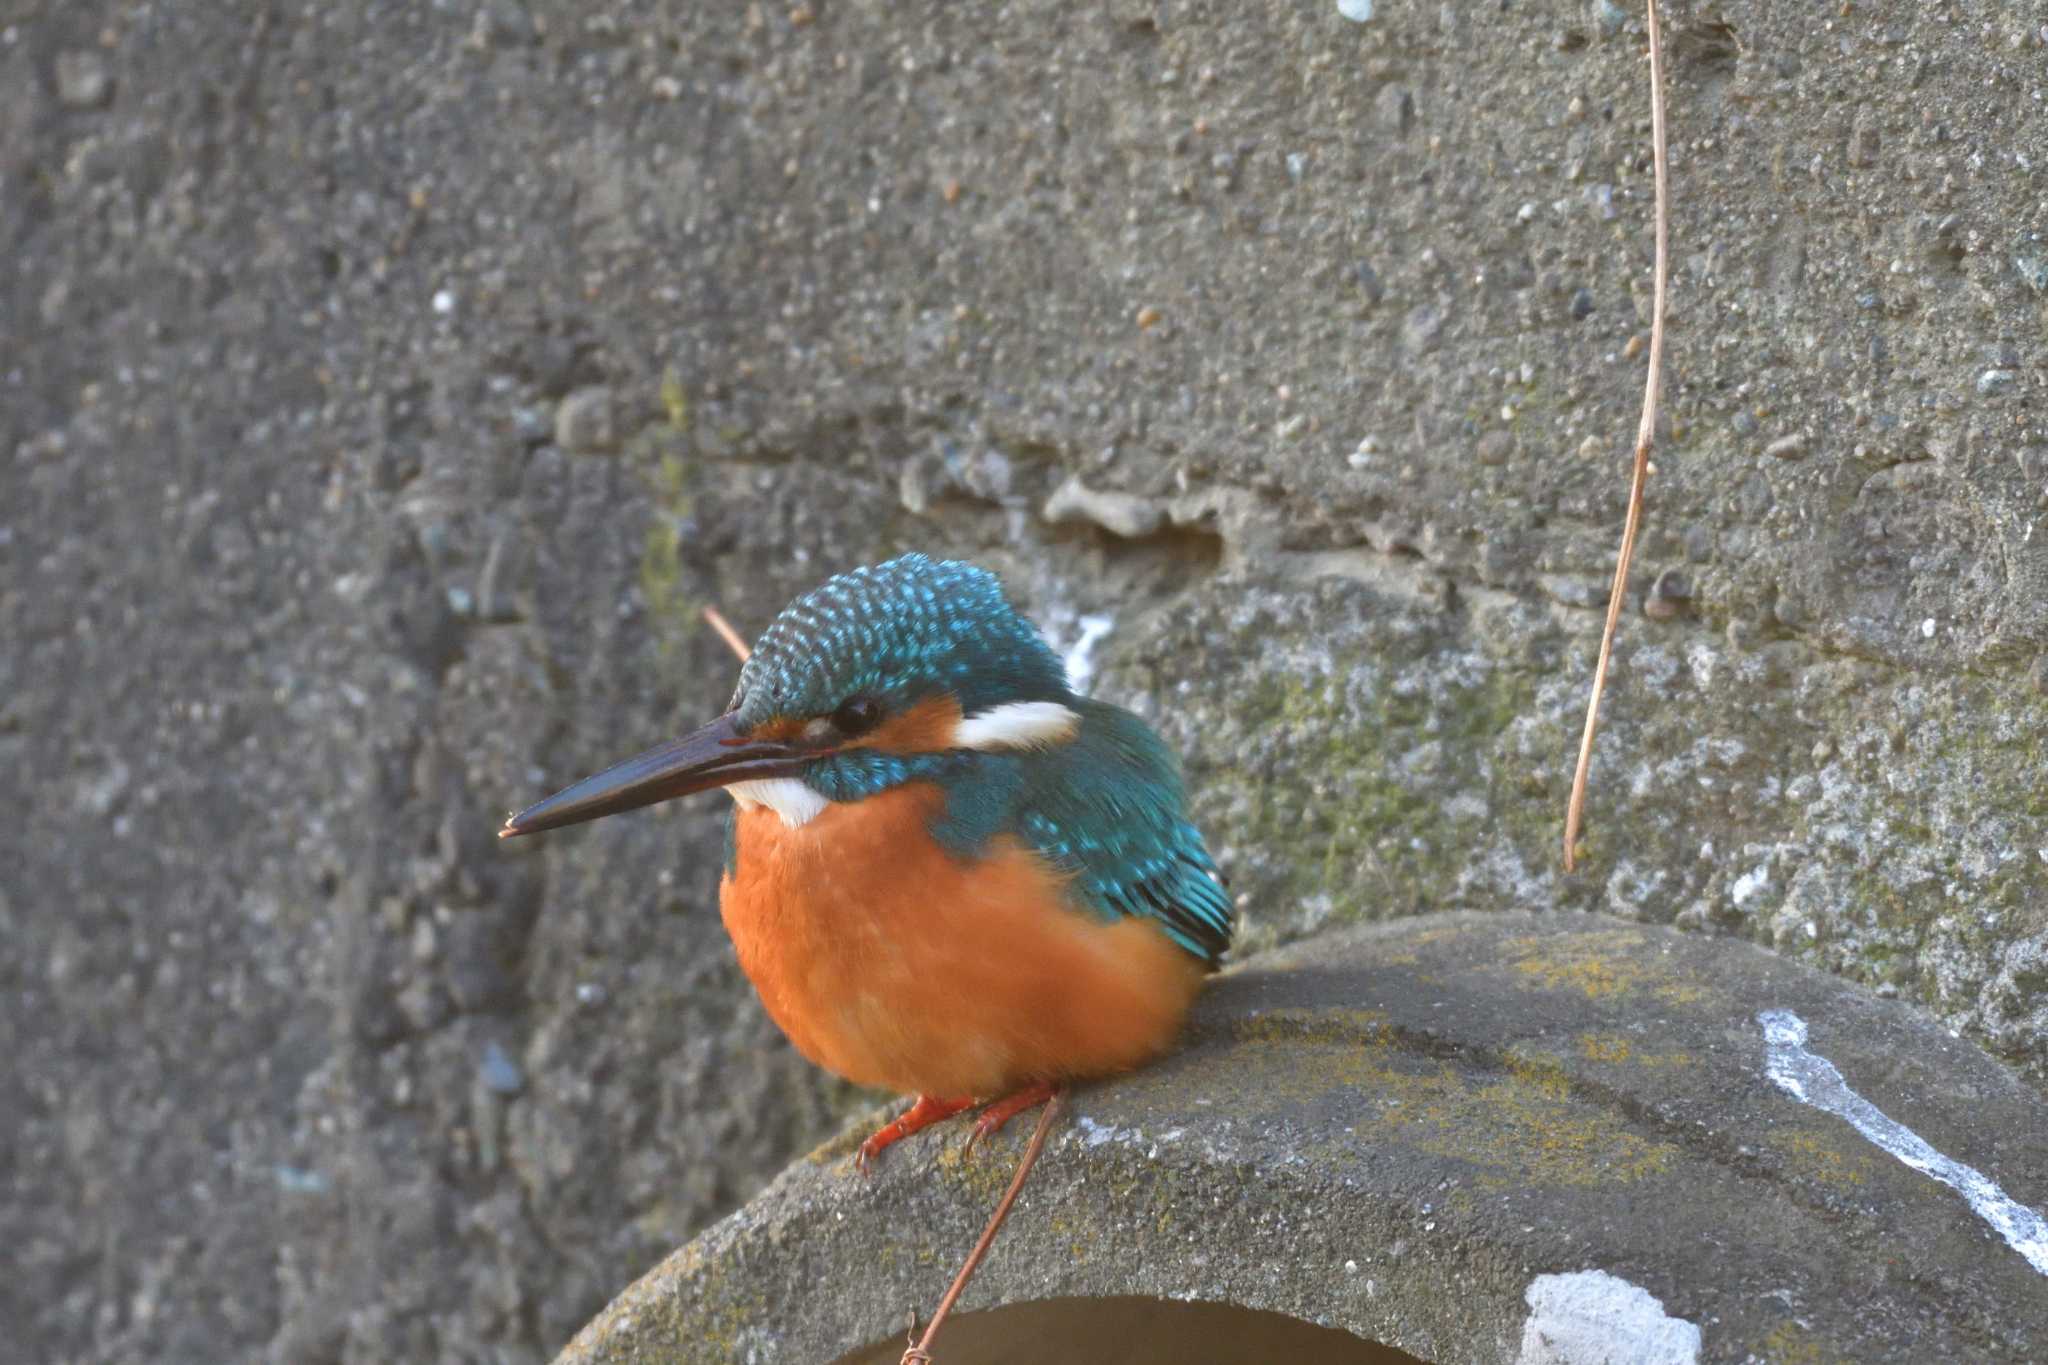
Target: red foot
(921, 1115)
(1008, 1107)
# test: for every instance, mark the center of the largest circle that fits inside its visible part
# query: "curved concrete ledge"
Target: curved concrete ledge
(1475, 1137)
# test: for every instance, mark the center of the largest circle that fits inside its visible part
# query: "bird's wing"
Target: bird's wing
(1108, 809)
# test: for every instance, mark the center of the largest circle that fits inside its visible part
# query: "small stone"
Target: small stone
(584, 421)
(1927, 629)
(1148, 317)
(1790, 447)
(1667, 596)
(499, 1073)
(665, 88)
(82, 80)
(1995, 382)
(1608, 17)
(1634, 347)
(1357, 11)
(1423, 329)
(1120, 514)
(501, 23)
(1368, 281)
(1582, 304)
(921, 481)
(1396, 108)
(1495, 447)
(2033, 270)
(1573, 591)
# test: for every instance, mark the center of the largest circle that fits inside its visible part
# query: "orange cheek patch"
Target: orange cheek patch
(930, 725)
(925, 727)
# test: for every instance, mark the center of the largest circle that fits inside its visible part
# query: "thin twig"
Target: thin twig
(1645, 435)
(715, 618)
(921, 1352)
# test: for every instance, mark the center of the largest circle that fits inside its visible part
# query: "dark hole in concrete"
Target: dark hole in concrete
(1135, 1331)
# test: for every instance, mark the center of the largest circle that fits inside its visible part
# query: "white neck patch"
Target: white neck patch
(1018, 725)
(793, 800)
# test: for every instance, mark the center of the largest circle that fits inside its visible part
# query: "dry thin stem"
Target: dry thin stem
(1645, 434)
(921, 1352)
(716, 620)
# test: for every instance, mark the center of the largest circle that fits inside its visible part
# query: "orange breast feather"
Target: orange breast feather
(893, 963)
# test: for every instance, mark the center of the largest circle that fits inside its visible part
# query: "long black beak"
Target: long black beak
(714, 756)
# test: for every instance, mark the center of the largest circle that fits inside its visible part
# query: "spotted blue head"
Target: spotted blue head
(897, 634)
(932, 644)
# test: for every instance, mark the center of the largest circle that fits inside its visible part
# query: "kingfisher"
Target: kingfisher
(947, 874)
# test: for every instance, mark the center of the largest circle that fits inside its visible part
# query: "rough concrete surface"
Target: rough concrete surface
(384, 387)
(1527, 1139)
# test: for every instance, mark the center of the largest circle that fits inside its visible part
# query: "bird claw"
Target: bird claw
(918, 1116)
(1003, 1110)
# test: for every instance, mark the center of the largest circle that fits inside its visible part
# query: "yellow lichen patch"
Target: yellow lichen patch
(1817, 1154)
(1523, 1128)
(1601, 966)
(984, 1172)
(1364, 1027)
(675, 400)
(1520, 1126)
(1079, 1235)
(1791, 1344)
(1617, 1048)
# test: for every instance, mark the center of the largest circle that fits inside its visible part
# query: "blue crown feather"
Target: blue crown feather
(899, 631)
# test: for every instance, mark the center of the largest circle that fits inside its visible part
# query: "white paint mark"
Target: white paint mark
(797, 803)
(1095, 1134)
(1080, 659)
(1813, 1079)
(1017, 725)
(1594, 1318)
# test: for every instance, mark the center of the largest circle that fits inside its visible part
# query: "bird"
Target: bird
(947, 874)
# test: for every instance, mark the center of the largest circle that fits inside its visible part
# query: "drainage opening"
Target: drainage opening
(1135, 1331)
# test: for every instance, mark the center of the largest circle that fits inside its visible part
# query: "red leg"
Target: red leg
(1008, 1107)
(917, 1117)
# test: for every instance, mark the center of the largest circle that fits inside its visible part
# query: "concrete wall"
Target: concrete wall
(387, 386)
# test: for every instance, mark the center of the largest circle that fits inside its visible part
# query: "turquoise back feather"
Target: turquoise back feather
(1106, 808)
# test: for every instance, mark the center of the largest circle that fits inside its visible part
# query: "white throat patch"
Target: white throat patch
(1018, 725)
(790, 798)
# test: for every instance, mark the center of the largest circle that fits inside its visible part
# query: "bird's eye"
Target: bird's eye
(856, 716)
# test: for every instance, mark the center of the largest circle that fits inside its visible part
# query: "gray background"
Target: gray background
(384, 388)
